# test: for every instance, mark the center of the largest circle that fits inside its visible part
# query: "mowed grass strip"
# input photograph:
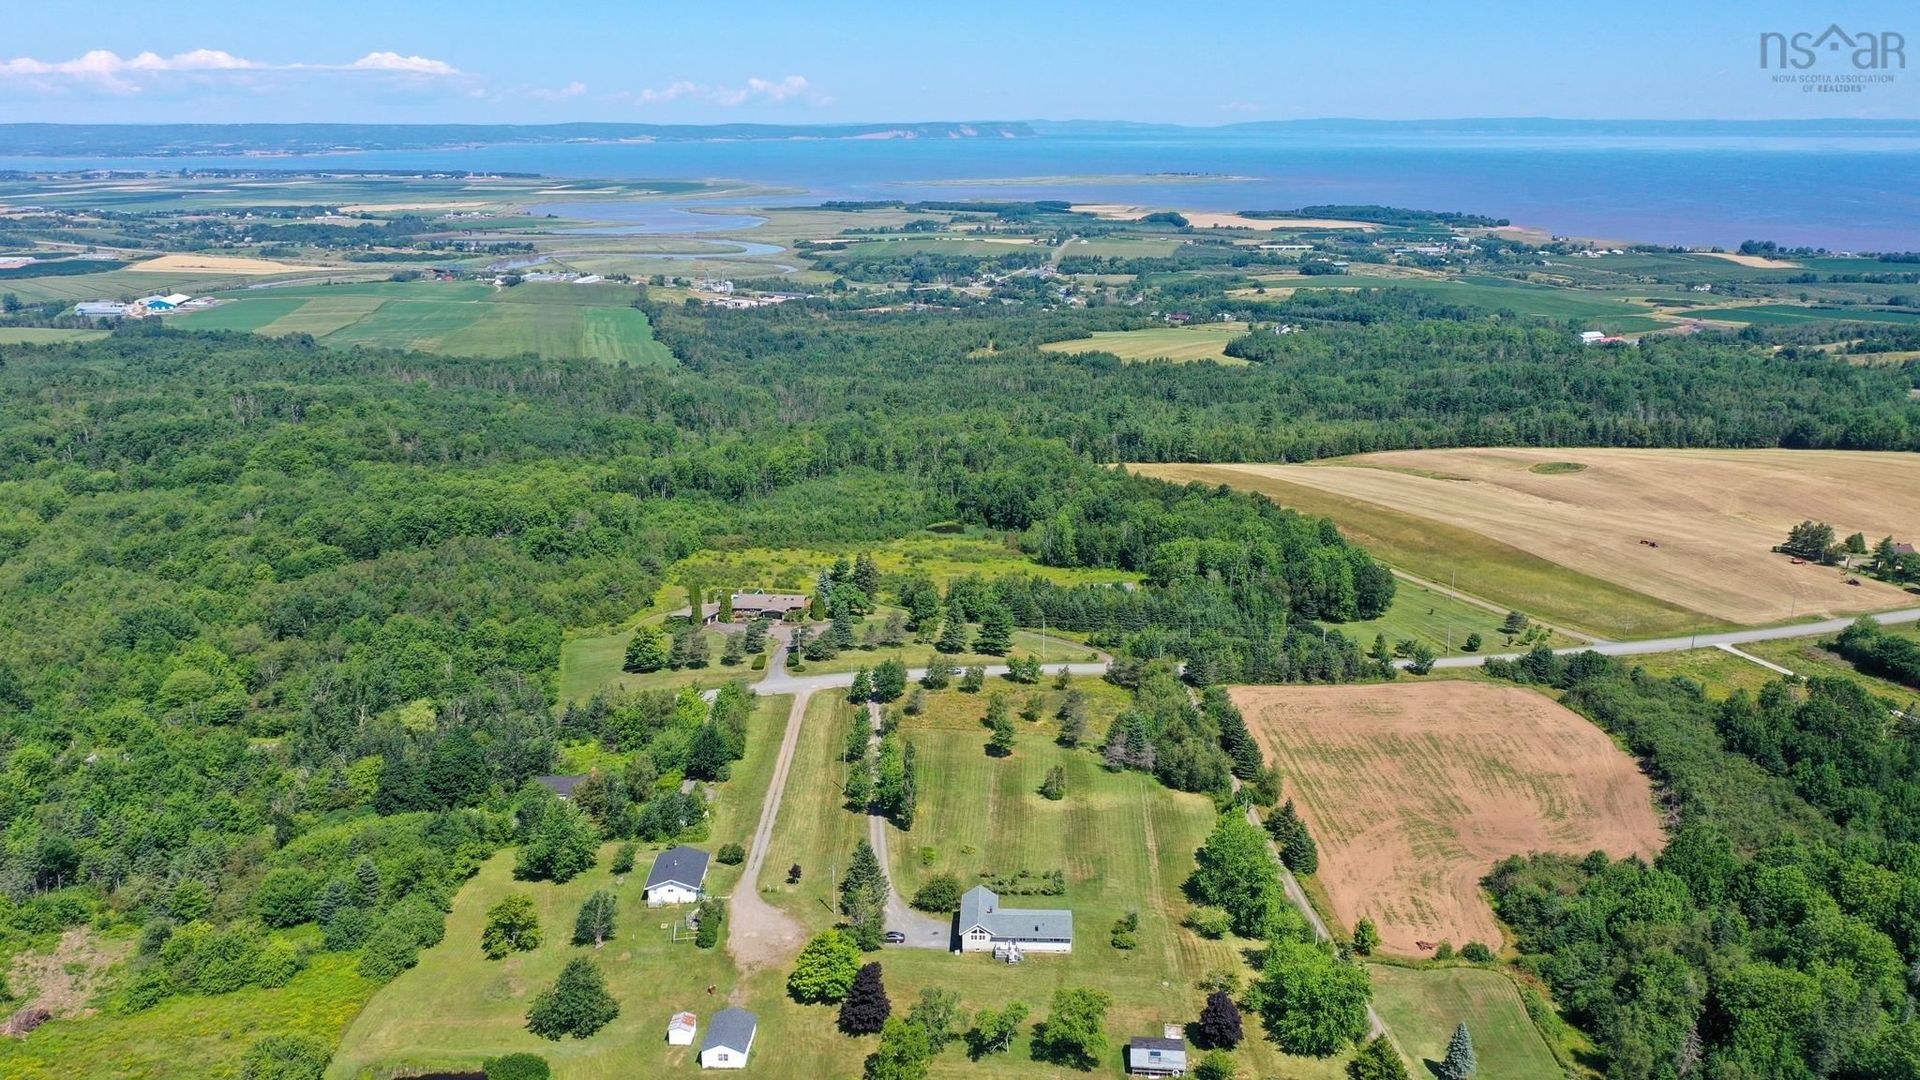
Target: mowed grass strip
(1422, 1007)
(1468, 560)
(323, 315)
(813, 830)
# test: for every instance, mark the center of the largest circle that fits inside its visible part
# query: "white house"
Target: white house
(1590, 337)
(676, 877)
(985, 926)
(729, 1039)
(680, 1029)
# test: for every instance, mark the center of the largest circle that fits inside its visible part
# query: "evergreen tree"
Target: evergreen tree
(1000, 719)
(726, 605)
(1298, 852)
(1220, 1023)
(647, 651)
(939, 674)
(734, 651)
(996, 631)
(953, 635)
(1054, 787)
(1074, 717)
(1377, 1060)
(866, 575)
(862, 690)
(1460, 1062)
(756, 635)
(865, 1009)
(712, 914)
(863, 897)
(577, 1004)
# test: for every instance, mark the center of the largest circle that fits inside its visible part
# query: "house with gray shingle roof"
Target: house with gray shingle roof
(1150, 1056)
(984, 926)
(676, 877)
(729, 1039)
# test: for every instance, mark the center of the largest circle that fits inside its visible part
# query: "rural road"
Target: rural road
(1699, 641)
(763, 935)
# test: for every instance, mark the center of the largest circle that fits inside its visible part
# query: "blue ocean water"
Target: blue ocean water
(1860, 193)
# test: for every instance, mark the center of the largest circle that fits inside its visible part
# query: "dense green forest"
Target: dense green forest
(1778, 935)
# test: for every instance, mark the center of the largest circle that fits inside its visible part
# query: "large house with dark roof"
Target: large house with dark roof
(676, 877)
(984, 926)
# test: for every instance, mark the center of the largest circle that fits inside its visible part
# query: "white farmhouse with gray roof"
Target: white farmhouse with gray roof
(729, 1039)
(985, 926)
(676, 877)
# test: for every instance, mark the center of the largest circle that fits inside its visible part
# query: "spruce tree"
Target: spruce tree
(996, 631)
(953, 635)
(1460, 1062)
(865, 1009)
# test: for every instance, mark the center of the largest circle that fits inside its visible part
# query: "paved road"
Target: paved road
(1700, 641)
(923, 931)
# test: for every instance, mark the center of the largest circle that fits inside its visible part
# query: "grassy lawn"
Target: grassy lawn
(1421, 1008)
(813, 829)
(192, 1035)
(1719, 671)
(457, 1007)
(1435, 618)
(1804, 656)
(1182, 344)
(590, 663)
(1470, 561)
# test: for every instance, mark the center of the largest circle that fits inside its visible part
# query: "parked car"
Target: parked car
(894, 937)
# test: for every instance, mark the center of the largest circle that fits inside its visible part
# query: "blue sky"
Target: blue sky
(486, 61)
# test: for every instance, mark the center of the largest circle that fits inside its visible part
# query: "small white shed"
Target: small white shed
(680, 1029)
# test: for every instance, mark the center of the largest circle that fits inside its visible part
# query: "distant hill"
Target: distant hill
(190, 140)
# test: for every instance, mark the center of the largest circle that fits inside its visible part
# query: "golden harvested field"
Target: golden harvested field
(1415, 790)
(215, 264)
(1715, 514)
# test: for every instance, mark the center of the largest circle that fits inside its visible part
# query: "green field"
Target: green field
(457, 1007)
(593, 662)
(1125, 842)
(1472, 562)
(1181, 344)
(457, 318)
(1421, 1008)
(1789, 315)
(1719, 671)
(211, 1032)
(45, 335)
(1435, 618)
(939, 557)
(1804, 656)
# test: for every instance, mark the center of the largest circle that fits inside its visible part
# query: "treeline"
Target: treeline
(1777, 933)
(1877, 652)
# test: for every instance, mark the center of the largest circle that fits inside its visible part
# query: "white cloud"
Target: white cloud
(756, 89)
(571, 90)
(107, 70)
(407, 65)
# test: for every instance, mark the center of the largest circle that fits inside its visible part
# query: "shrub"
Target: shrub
(731, 855)
(390, 951)
(712, 914)
(1126, 931)
(1443, 951)
(825, 969)
(1476, 952)
(940, 894)
(517, 1067)
(278, 961)
(348, 929)
(623, 859)
(513, 925)
(1209, 922)
(286, 1057)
